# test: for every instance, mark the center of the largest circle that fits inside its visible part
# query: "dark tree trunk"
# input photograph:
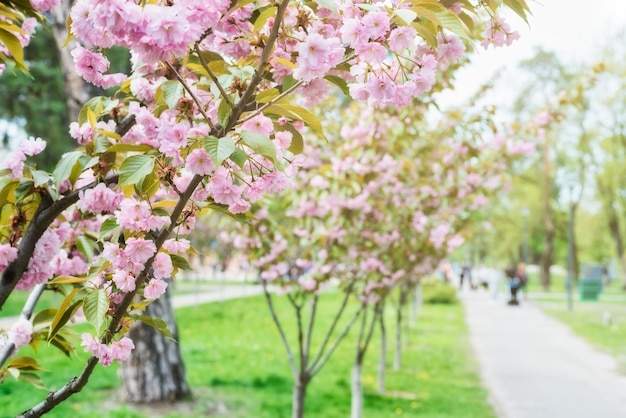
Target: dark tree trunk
(155, 371)
(548, 243)
(76, 90)
(614, 227)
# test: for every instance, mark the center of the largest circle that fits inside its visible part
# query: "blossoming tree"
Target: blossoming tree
(206, 120)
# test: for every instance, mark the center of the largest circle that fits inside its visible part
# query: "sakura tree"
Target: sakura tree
(212, 116)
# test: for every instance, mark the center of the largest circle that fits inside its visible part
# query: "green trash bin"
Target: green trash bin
(589, 289)
(590, 284)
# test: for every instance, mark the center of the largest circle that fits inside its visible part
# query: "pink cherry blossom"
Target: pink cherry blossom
(199, 162)
(21, 332)
(154, 289)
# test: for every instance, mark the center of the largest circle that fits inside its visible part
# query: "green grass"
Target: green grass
(588, 320)
(236, 364)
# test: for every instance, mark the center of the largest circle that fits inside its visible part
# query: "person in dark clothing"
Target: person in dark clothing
(513, 283)
(466, 273)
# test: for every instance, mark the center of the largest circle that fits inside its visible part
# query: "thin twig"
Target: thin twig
(271, 102)
(315, 366)
(258, 75)
(192, 94)
(268, 298)
(205, 65)
(309, 331)
(334, 324)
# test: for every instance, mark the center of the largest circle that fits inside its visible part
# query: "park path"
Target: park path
(535, 367)
(202, 295)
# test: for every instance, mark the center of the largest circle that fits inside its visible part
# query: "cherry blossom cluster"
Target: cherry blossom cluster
(498, 33)
(118, 350)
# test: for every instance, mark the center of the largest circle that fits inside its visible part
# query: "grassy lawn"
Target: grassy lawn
(237, 368)
(590, 320)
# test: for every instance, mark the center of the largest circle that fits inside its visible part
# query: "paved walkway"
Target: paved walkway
(535, 367)
(203, 295)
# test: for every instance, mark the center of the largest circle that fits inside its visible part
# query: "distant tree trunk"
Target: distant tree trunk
(382, 364)
(416, 303)
(76, 90)
(155, 371)
(397, 359)
(548, 243)
(576, 261)
(614, 228)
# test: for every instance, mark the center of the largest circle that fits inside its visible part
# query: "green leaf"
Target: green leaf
(62, 344)
(339, 82)
(329, 4)
(135, 168)
(130, 148)
(297, 113)
(40, 177)
(219, 149)
(109, 225)
(180, 262)
(7, 188)
(261, 144)
(406, 15)
(85, 247)
(99, 105)
(25, 363)
(95, 306)
(64, 168)
(63, 279)
(156, 323)
(169, 93)
(223, 112)
(264, 17)
(297, 142)
(239, 157)
(15, 48)
(267, 95)
(518, 6)
(150, 185)
(47, 315)
(64, 313)
(33, 379)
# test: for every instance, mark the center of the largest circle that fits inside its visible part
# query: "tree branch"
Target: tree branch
(317, 364)
(258, 75)
(76, 384)
(27, 312)
(214, 78)
(334, 324)
(283, 337)
(46, 213)
(192, 94)
(309, 331)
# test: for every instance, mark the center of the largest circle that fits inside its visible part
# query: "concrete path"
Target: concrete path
(535, 367)
(203, 295)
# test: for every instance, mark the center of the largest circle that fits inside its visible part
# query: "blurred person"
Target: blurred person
(513, 284)
(522, 277)
(493, 276)
(466, 273)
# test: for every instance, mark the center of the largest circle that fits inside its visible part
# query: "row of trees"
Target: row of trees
(213, 116)
(581, 143)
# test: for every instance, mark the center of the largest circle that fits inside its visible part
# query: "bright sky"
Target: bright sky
(571, 28)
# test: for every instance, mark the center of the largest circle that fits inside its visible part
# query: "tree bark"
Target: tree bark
(76, 90)
(357, 388)
(416, 303)
(299, 395)
(155, 370)
(397, 359)
(382, 364)
(614, 228)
